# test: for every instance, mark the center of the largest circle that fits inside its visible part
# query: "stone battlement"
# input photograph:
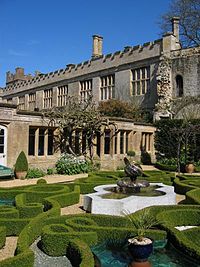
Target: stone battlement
(130, 55)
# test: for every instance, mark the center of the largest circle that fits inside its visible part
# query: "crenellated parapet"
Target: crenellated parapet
(129, 56)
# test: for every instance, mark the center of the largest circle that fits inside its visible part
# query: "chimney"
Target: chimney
(175, 27)
(97, 46)
(19, 73)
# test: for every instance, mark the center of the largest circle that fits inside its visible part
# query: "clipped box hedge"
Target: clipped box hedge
(182, 188)
(79, 254)
(2, 236)
(61, 235)
(27, 210)
(193, 197)
(25, 259)
(8, 212)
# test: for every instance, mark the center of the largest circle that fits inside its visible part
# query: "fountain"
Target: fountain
(133, 197)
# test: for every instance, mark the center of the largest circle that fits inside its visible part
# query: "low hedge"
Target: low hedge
(79, 254)
(56, 237)
(182, 188)
(182, 217)
(8, 212)
(193, 197)
(27, 210)
(34, 228)
(165, 167)
(2, 236)
(110, 232)
(25, 259)
(14, 226)
(68, 199)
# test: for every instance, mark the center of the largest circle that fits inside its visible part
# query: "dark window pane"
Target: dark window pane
(138, 88)
(133, 75)
(41, 142)
(77, 147)
(115, 144)
(1, 149)
(31, 142)
(127, 142)
(98, 143)
(121, 142)
(143, 73)
(107, 143)
(1, 131)
(133, 88)
(50, 142)
(1, 140)
(138, 74)
(83, 142)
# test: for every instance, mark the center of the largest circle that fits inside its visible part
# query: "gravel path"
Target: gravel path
(51, 179)
(74, 209)
(43, 260)
(9, 249)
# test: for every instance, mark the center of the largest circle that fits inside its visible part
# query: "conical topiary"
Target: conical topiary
(21, 163)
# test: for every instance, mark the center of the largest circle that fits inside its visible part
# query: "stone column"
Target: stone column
(39, 99)
(46, 142)
(36, 141)
(26, 104)
(55, 96)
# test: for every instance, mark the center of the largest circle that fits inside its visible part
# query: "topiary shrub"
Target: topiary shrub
(41, 181)
(21, 163)
(145, 158)
(131, 153)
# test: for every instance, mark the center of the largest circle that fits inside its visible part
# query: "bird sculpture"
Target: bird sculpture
(132, 170)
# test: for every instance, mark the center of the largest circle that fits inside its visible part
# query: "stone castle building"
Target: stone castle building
(152, 74)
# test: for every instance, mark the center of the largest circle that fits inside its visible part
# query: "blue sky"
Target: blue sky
(46, 35)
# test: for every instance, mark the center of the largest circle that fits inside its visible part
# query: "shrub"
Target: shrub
(21, 163)
(145, 158)
(131, 153)
(51, 171)
(41, 181)
(35, 173)
(2, 236)
(69, 164)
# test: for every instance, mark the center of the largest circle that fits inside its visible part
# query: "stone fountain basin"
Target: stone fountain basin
(96, 205)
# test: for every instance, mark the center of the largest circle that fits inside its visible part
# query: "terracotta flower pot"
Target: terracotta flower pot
(21, 175)
(189, 168)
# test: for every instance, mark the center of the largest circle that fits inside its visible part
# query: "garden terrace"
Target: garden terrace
(37, 214)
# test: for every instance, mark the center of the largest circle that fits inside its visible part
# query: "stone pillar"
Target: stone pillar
(46, 142)
(26, 104)
(36, 141)
(118, 143)
(102, 141)
(124, 137)
(55, 96)
(96, 83)
(39, 99)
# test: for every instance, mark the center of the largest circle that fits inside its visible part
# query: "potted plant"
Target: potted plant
(140, 246)
(21, 166)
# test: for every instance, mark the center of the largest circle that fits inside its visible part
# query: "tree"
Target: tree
(129, 110)
(76, 116)
(178, 139)
(189, 13)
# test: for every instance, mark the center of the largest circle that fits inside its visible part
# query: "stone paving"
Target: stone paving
(43, 260)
